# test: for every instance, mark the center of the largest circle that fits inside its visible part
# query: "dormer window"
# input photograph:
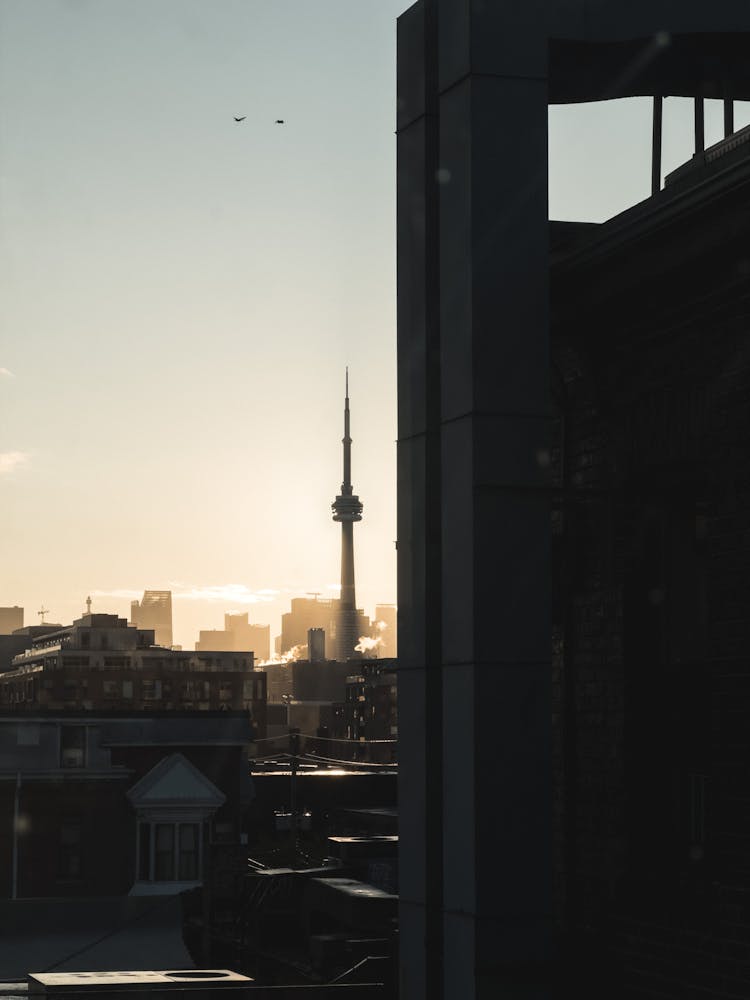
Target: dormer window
(172, 803)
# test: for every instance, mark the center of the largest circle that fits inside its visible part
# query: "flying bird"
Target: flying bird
(279, 121)
(241, 119)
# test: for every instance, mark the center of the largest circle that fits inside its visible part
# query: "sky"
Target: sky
(180, 294)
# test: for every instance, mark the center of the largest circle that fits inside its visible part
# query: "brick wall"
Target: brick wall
(651, 654)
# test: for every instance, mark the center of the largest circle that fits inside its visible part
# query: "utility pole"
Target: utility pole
(293, 753)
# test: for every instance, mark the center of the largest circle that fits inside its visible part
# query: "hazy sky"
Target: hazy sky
(179, 294)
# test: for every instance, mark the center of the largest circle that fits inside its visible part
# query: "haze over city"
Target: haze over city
(182, 291)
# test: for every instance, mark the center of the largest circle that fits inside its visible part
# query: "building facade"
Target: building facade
(370, 708)
(111, 804)
(301, 680)
(572, 505)
(102, 663)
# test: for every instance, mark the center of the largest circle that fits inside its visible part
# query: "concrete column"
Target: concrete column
(474, 512)
(496, 647)
(419, 505)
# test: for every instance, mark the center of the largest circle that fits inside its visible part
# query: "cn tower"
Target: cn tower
(347, 509)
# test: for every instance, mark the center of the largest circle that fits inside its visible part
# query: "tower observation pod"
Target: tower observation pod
(347, 508)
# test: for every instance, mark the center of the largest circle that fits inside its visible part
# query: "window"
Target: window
(127, 689)
(151, 689)
(164, 852)
(168, 852)
(187, 868)
(111, 689)
(69, 867)
(144, 851)
(73, 746)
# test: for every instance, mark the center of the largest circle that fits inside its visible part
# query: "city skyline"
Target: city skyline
(180, 293)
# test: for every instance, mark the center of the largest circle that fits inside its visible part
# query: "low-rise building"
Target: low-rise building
(114, 803)
(102, 663)
(301, 680)
(370, 709)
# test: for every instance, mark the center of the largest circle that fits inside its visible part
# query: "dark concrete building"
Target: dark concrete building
(572, 502)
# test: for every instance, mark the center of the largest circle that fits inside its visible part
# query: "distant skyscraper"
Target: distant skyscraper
(10, 620)
(347, 509)
(238, 635)
(384, 628)
(316, 645)
(154, 611)
(306, 613)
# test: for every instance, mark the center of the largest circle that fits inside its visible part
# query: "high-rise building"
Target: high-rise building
(306, 613)
(238, 636)
(154, 611)
(316, 645)
(10, 620)
(385, 628)
(347, 508)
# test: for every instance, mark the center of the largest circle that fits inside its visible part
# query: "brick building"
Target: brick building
(110, 804)
(370, 708)
(651, 366)
(102, 663)
(301, 680)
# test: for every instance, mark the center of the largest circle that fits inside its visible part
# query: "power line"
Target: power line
(325, 739)
(314, 758)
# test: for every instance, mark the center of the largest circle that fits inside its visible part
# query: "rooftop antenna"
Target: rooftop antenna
(42, 612)
(88, 605)
(314, 593)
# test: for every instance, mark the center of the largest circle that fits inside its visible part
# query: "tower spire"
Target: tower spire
(347, 508)
(346, 486)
